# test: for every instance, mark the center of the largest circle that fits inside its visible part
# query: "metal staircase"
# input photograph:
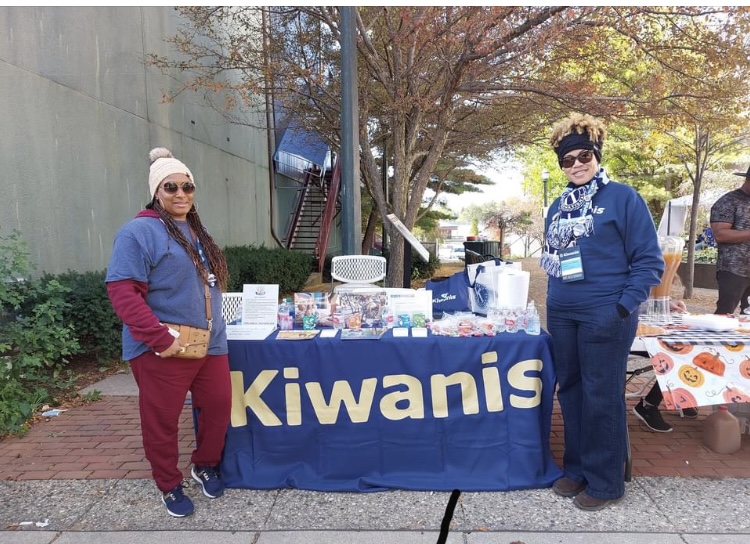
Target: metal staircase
(315, 208)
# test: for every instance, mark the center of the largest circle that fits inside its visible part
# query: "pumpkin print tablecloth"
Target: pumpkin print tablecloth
(701, 368)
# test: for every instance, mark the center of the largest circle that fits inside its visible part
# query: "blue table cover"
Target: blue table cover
(435, 413)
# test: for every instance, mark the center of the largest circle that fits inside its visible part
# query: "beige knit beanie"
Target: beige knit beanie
(164, 164)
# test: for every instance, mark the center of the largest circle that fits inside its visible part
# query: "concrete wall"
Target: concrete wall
(80, 111)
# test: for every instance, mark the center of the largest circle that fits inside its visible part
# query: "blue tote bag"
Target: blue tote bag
(450, 294)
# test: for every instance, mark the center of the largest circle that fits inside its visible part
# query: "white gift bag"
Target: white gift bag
(482, 284)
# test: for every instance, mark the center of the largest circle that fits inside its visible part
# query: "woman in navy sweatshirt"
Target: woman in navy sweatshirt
(601, 256)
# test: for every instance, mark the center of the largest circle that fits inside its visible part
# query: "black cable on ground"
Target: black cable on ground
(446, 523)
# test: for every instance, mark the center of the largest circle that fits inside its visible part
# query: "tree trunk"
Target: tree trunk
(369, 237)
(702, 139)
(395, 277)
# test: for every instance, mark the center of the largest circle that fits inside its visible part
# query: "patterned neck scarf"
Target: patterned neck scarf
(573, 219)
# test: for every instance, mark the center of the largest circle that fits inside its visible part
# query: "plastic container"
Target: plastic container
(511, 321)
(387, 317)
(533, 324)
(721, 431)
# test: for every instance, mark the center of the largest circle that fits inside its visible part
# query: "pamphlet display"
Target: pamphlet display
(361, 308)
(363, 334)
(296, 335)
(311, 309)
(259, 313)
(410, 307)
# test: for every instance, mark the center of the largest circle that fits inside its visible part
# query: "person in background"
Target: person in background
(705, 239)
(730, 222)
(161, 262)
(601, 256)
(647, 409)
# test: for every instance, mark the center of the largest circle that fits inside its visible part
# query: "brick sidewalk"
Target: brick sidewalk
(102, 440)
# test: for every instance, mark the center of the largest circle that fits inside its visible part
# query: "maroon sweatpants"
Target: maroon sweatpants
(162, 386)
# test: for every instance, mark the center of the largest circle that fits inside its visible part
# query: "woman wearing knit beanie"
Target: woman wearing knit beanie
(163, 263)
(602, 256)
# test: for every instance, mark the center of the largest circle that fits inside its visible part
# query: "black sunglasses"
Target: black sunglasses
(171, 187)
(584, 157)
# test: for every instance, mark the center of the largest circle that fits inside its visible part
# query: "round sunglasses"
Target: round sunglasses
(171, 187)
(584, 157)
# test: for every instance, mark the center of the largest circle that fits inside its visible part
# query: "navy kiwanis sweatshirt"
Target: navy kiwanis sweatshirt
(621, 259)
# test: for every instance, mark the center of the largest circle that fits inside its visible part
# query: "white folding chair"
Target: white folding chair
(357, 272)
(231, 307)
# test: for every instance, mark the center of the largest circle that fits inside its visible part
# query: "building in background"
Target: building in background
(80, 111)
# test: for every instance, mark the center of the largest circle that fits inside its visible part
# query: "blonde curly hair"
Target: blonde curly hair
(579, 123)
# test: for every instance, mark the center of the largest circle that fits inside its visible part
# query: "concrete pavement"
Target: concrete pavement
(655, 510)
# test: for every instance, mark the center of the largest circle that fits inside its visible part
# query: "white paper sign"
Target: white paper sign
(260, 306)
(409, 237)
(410, 301)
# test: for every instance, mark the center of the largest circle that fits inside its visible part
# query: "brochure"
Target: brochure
(313, 308)
(297, 335)
(365, 305)
(362, 334)
(410, 307)
(260, 304)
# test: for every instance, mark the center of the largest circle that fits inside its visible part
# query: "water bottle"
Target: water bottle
(290, 305)
(501, 316)
(721, 431)
(511, 321)
(387, 317)
(286, 321)
(523, 318)
(533, 322)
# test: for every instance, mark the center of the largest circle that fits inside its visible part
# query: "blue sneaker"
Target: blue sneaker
(178, 505)
(210, 481)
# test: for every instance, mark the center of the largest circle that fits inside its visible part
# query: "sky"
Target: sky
(507, 180)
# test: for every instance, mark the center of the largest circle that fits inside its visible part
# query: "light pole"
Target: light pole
(545, 179)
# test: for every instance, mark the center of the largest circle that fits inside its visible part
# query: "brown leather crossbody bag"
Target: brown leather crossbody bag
(194, 340)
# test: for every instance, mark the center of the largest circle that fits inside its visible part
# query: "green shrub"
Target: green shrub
(708, 255)
(420, 270)
(261, 265)
(97, 327)
(39, 340)
(17, 403)
(34, 337)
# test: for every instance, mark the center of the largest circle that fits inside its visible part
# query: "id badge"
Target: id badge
(571, 265)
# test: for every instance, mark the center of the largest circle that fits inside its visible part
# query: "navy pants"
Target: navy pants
(591, 348)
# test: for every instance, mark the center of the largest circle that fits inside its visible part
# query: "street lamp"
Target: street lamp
(545, 178)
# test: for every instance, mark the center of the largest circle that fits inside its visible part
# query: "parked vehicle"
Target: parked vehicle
(456, 254)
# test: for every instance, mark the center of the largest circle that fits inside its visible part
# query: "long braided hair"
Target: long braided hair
(213, 253)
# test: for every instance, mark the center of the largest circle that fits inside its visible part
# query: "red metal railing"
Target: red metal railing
(321, 246)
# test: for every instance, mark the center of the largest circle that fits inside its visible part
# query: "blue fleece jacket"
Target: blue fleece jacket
(621, 259)
(156, 281)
